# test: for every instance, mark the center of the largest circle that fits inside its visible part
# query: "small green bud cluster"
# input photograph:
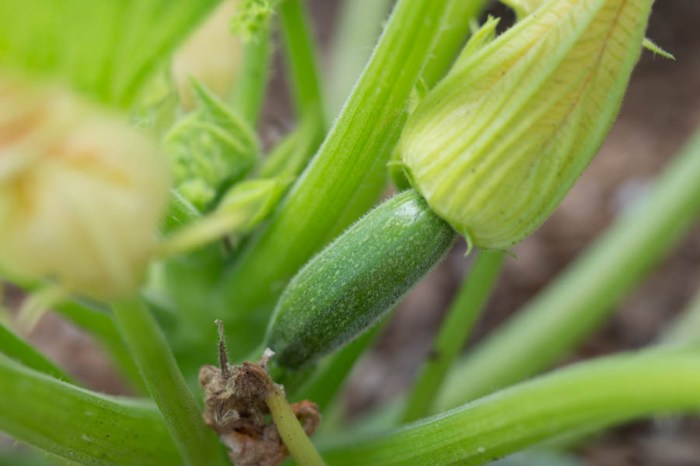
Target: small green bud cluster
(251, 17)
(210, 148)
(211, 55)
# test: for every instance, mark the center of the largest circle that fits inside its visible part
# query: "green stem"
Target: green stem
(18, 349)
(360, 22)
(345, 177)
(293, 436)
(454, 332)
(591, 395)
(79, 425)
(325, 382)
(249, 91)
(584, 295)
(182, 416)
(685, 328)
(303, 70)
(454, 31)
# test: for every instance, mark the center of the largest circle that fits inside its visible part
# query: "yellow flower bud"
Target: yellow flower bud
(212, 55)
(500, 141)
(81, 192)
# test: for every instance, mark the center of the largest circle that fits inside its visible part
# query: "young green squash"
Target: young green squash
(349, 285)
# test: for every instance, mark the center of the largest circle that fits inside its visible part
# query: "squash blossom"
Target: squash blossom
(81, 192)
(498, 143)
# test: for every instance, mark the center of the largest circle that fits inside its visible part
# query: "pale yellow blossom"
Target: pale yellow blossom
(500, 141)
(81, 192)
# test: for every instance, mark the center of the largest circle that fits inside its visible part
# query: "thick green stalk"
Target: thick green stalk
(454, 332)
(79, 425)
(584, 295)
(343, 180)
(590, 395)
(21, 351)
(198, 445)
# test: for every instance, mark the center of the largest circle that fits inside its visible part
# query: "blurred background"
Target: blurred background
(661, 110)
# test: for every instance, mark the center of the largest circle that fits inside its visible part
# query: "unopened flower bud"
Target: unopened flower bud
(500, 141)
(81, 192)
(212, 55)
(210, 148)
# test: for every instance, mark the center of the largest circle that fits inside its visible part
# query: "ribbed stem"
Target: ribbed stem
(588, 396)
(198, 445)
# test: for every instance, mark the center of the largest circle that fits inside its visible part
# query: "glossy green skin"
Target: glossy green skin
(349, 285)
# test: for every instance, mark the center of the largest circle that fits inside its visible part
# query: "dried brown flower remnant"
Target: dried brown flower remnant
(236, 408)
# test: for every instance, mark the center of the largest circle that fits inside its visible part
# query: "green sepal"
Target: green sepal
(479, 39)
(210, 148)
(654, 48)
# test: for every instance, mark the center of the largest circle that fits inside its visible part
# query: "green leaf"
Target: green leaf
(21, 351)
(79, 425)
(480, 39)
(587, 396)
(105, 48)
(242, 208)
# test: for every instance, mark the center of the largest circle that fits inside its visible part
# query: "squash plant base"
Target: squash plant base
(236, 399)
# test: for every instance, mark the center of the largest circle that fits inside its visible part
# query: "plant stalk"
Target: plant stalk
(251, 84)
(198, 445)
(293, 436)
(454, 332)
(585, 397)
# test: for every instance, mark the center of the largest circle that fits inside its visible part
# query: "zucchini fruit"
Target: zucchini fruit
(349, 285)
